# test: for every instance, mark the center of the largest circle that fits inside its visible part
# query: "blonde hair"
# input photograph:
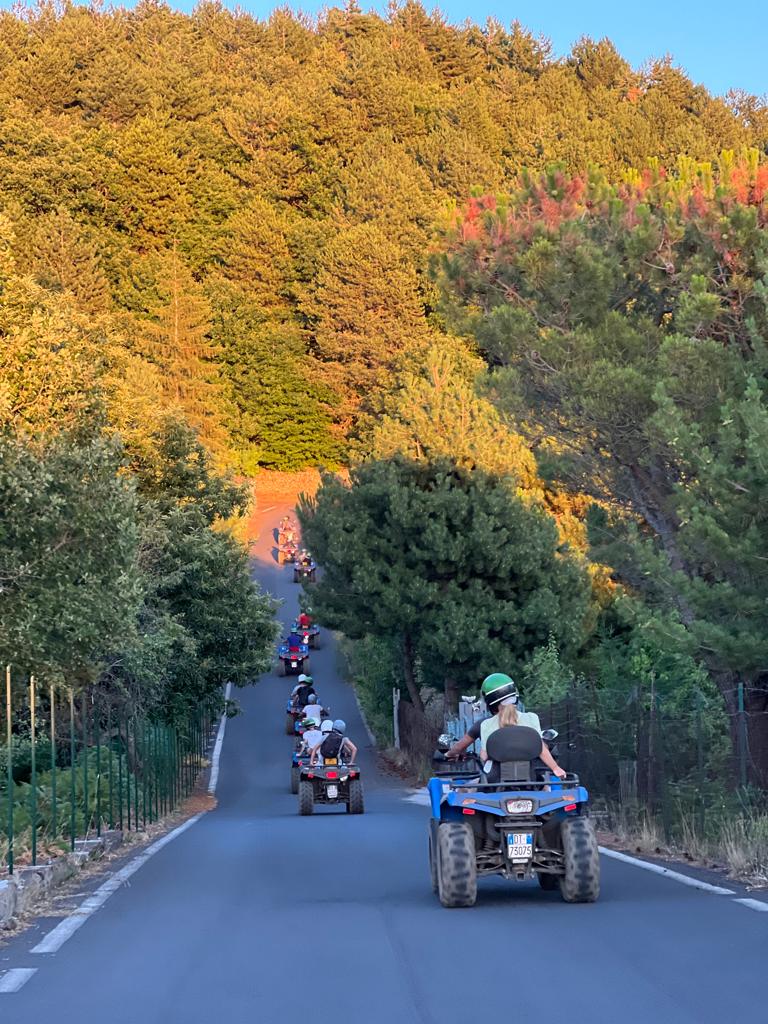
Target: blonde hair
(507, 715)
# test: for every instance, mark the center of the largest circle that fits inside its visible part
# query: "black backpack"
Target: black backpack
(331, 745)
(302, 695)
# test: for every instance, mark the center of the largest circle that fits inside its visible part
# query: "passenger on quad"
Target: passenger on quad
(303, 692)
(312, 736)
(509, 718)
(335, 745)
(300, 680)
(315, 708)
(497, 689)
(305, 558)
(304, 620)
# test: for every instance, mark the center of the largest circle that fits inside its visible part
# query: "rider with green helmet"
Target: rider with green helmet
(497, 689)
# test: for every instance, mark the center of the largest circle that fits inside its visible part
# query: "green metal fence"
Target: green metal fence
(76, 763)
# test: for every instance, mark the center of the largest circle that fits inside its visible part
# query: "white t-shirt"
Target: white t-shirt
(312, 737)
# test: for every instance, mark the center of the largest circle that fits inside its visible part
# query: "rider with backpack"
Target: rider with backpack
(335, 745)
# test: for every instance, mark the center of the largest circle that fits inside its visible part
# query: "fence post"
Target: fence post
(97, 723)
(86, 809)
(396, 716)
(700, 761)
(71, 769)
(54, 807)
(742, 726)
(9, 766)
(662, 777)
(33, 766)
(120, 773)
(110, 769)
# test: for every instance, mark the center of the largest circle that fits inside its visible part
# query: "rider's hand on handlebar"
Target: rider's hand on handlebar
(560, 773)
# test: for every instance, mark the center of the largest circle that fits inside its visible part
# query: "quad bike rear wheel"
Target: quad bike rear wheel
(289, 726)
(456, 865)
(295, 776)
(355, 803)
(306, 797)
(581, 881)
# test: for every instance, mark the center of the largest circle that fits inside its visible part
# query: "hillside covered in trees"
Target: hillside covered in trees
(247, 206)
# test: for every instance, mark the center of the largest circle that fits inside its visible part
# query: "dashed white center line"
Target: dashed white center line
(16, 978)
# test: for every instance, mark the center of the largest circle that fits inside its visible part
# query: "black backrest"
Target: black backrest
(512, 749)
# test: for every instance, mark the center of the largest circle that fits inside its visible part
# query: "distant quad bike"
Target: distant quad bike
(291, 661)
(304, 571)
(332, 782)
(518, 821)
(287, 551)
(294, 716)
(308, 634)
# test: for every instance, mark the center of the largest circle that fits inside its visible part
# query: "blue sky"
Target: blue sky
(720, 45)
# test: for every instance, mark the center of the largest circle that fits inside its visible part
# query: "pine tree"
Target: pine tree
(179, 345)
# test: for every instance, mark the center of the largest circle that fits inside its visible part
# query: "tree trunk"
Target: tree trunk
(409, 673)
(451, 695)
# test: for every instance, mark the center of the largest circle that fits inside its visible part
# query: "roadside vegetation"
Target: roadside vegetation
(520, 300)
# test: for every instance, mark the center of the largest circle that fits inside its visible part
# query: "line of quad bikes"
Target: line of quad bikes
(524, 824)
(331, 780)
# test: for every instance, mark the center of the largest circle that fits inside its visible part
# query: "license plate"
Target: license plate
(293, 664)
(333, 792)
(331, 760)
(519, 845)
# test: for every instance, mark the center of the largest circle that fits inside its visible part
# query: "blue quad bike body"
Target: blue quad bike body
(298, 761)
(532, 825)
(292, 661)
(308, 634)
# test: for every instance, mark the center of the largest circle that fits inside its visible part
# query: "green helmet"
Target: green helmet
(496, 688)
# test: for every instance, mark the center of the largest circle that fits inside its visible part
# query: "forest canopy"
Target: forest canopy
(249, 204)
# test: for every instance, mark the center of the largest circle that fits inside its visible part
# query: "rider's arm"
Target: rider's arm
(550, 762)
(351, 749)
(460, 746)
(313, 753)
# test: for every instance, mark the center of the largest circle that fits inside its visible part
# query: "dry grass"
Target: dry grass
(737, 845)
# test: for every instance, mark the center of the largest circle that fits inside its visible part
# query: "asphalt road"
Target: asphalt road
(257, 916)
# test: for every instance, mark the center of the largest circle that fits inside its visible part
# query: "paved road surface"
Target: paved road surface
(257, 916)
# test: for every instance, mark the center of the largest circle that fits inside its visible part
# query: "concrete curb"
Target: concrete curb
(30, 884)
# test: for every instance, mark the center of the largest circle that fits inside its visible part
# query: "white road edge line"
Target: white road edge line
(56, 938)
(753, 904)
(676, 876)
(65, 929)
(216, 757)
(16, 978)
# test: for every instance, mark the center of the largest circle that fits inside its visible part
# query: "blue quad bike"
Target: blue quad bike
(518, 821)
(291, 661)
(308, 634)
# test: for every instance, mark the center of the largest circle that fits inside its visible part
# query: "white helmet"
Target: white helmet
(302, 678)
(327, 726)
